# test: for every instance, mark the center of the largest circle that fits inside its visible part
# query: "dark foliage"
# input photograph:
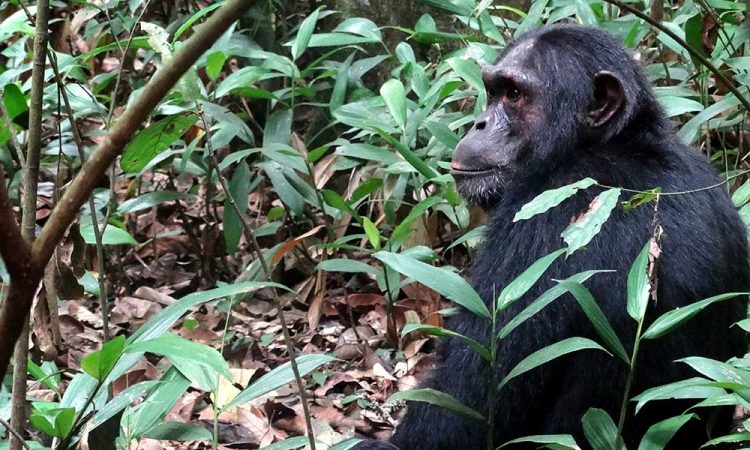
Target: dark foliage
(568, 102)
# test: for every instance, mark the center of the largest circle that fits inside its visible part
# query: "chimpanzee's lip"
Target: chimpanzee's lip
(471, 172)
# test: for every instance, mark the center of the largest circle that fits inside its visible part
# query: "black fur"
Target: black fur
(704, 254)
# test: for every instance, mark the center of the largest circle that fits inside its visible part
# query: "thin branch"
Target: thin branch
(28, 213)
(22, 287)
(15, 433)
(694, 53)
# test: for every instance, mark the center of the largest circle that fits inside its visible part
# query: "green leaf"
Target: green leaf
(196, 17)
(549, 199)
(99, 364)
(441, 280)
(346, 265)
(340, 86)
(153, 140)
(437, 398)
(743, 436)
(16, 105)
(597, 318)
(438, 331)
(552, 441)
(693, 388)
(303, 35)
(146, 201)
(522, 283)
(395, 99)
(584, 228)
(239, 188)
(361, 27)
(121, 401)
(171, 345)
(372, 233)
(113, 235)
(333, 199)
(545, 299)
(671, 320)
(658, 435)
(56, 422)
(214, 63)
(288, 444)
(469, 71)
(157, 403)
(177, 431)
(279, 377)
(601, 431)
(549, 353)
(639, 285)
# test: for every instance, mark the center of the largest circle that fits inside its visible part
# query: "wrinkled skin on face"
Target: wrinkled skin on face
(522, 129)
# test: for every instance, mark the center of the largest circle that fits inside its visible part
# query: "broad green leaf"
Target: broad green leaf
(674, 106)
(671, 320)
(469, 71)
(584, 228)
(113, 235)
(522, 283)
(346, 265)
(549, 199)
(157, 403)
(551, 441)
(56, 422)
(741, 196)
(438, 331)
(214, 63)
(239, 188)
(346, 445)
(402, 231)
(196, 17)
(338, 40)
(172, 345)
(639, 285)
(279, 377)
(441, 280)
(333, 199)
(99, 364)
(658, 435)
(722, 372)
(146, 201)
(743, 436)
(372, 233)
(545, 299)
(288, 444)
(395, 99)
(361, 27)
(243, 78)
(340, 86)
(601, 431)
(156, 138)
(178, 431)
(693, 388)
(121, 401)
(303, 35)
(437, 398)
(16, 105)
(423, 168)
(597, 318)
(162, 321)
(549, 353)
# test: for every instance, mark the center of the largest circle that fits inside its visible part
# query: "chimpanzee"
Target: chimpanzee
(567, 102)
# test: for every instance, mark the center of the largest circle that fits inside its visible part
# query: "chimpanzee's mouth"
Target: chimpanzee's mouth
(471, 172)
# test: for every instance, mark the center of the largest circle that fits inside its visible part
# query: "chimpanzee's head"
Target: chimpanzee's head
(551, 93)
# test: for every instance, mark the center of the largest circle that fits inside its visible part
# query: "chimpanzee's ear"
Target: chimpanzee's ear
(609, 96)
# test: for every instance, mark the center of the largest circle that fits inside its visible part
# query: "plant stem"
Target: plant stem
(629, 380)
(267, 272)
